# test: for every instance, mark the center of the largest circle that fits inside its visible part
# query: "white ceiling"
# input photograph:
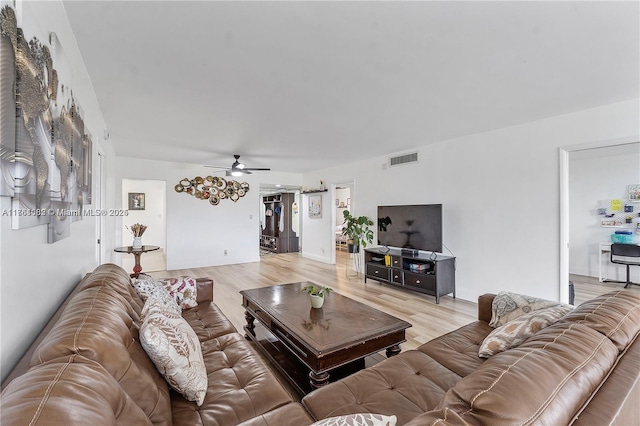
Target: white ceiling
(299, 86)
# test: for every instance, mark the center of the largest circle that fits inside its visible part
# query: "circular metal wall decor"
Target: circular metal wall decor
(213, 188)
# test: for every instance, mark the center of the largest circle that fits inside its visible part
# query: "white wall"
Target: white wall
(601, 174)
(33, 272)
(500, 196)
(197, 232)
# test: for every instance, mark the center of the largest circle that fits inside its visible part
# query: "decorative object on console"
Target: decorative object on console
(316, 294)
(213, 189)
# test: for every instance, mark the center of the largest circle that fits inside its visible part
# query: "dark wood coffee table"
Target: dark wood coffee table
(310, 346)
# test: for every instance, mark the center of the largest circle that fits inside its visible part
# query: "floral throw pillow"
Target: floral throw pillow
(175, 350)
(183, 290)
(513, 333)
(361, 419)
(509, 306)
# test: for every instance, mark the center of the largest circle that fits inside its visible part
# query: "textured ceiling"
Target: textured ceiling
(299, 86)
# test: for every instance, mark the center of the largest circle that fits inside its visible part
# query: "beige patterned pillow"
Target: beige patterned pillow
(361, 419)
(175, 350)
(160, 302)
(520, 329)
(509, 306)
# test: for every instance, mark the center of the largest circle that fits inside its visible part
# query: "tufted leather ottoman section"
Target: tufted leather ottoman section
(208, 321)
(68, 391)
(240, 386)
(411, 383)
(458, 350)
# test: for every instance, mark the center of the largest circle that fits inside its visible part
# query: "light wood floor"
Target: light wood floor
(429, 320)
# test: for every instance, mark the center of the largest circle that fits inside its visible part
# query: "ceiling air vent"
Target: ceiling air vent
(403, 159)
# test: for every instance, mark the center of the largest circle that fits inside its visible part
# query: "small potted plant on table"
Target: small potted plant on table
(316, 294)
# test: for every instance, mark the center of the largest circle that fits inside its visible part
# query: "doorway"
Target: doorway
(592, 176)
(146, 203)
(280, 225)
(343, 202)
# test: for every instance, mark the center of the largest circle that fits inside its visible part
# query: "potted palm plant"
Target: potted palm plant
(357, 230)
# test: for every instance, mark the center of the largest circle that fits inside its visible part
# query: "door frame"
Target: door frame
(564, 153)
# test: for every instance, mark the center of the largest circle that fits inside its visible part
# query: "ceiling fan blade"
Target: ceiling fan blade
(217, 167)
(256, 169)
(241, 172)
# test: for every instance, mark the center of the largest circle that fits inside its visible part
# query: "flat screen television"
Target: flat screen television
(416, 227)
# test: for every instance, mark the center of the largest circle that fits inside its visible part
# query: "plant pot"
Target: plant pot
(137, 242)
(316, 301)
(352, 248)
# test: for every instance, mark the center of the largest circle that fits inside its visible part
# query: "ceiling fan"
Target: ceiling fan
(239, 169)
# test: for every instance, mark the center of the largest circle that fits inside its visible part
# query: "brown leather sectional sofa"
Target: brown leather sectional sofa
(87, 367)
(582, 370)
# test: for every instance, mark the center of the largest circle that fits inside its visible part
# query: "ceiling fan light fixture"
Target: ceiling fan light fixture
(236, 173)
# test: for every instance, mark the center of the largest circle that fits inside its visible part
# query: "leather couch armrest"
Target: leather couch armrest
(204, 287)
(484, 306)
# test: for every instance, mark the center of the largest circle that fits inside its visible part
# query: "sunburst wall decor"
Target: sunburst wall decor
(213, 189)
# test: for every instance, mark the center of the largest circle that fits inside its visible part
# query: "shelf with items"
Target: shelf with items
(314, 191)
(618, 213)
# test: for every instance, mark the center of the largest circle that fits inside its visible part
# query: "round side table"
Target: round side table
(136, 252)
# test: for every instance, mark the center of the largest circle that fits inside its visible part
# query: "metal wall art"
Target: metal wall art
(45, 151)
(213, 188)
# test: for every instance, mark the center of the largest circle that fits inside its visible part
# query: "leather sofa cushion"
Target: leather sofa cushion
(97, 325)
(68, 391)
(405, 385)
(621, 385)
(615, 314)
(290, 414)
(208, 321)
(240, 386)
(458, 350)
(115, 278)
(545, 380)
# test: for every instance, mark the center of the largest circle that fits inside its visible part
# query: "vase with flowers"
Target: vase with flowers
(137, 229)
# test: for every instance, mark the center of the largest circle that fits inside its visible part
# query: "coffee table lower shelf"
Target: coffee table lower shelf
(292, 368)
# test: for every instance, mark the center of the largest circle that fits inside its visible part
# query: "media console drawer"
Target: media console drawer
(424, 281)
(396, 275)
(377, 271)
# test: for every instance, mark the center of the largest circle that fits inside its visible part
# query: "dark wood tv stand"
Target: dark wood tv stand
(434, 275)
